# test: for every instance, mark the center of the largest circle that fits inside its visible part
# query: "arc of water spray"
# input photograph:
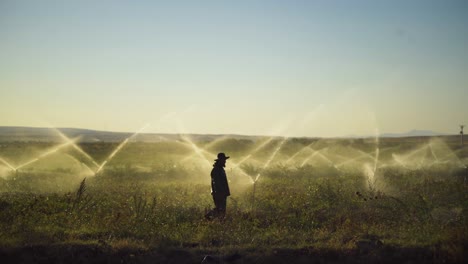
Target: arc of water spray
(76, 147)
(119, 147)
(318, 152)
(8, 164)
(267, 163)
(366, 154)
(397, 159)
(270, 159)
(363, 155)
(47, 153)
(443, 158)
(376, 159)
(198, 151)
(205, 147)
(309, 158)
(424, 148)
(81, 163)
(254, 151)
(432, 152)
(377, 149)
(300, 151)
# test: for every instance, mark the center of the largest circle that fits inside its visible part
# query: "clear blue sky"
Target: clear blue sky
(299, 68)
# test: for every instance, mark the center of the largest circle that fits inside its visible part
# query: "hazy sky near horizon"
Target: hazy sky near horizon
(295, 68)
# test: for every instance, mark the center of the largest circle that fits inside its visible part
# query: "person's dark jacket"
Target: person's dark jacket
(219, 183)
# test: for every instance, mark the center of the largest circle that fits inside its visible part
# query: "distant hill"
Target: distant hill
(415, 133)
(8, 133)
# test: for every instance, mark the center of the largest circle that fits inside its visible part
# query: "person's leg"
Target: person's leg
(222, 205)
(216, 200)
(217, 204)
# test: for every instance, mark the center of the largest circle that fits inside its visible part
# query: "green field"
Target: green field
(343, 200)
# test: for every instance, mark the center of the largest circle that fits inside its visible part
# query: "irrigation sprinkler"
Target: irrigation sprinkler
(76, 147)
(315, 153)
(465, 174)
(361, 156)
(300, 151)
(47, 153)
(376, 160)
(377, 150)
(198, 151)
(214, 142)
(461, 134)
(118, 148)
(253, 195)
(254, 151)
(267, 163)
(7, 163)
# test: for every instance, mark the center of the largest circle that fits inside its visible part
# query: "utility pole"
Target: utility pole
(461, 134)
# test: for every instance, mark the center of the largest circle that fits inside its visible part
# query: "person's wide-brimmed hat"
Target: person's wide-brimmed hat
(221, 156)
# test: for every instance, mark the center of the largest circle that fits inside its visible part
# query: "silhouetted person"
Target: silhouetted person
(219, 187)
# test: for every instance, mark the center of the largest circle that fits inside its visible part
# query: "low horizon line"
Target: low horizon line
(385, 134)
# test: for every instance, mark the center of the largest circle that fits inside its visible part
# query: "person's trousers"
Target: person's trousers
(220, 202)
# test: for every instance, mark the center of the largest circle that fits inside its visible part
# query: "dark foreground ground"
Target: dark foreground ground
(366, 253)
